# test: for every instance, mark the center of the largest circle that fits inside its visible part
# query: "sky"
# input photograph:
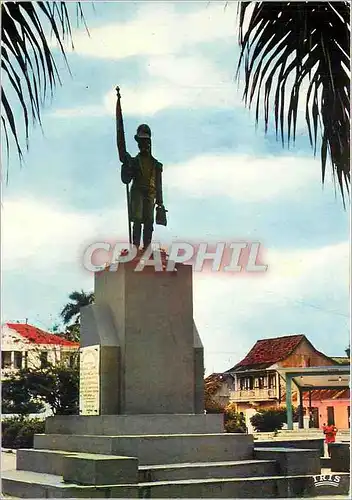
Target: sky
(224, 180)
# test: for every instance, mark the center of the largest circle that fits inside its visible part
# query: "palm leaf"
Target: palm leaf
(71, 310)
(286, 45)
(28, 65)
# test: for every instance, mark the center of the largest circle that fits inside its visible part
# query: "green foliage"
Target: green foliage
(234, 421)
(271, 419)
(17, 398)
(72, 332)
(71, 311)
(56, 385)
(18, 432)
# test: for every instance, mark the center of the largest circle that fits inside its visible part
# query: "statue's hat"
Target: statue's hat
(143, 132)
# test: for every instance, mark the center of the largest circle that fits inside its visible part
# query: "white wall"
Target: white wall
(12, 342)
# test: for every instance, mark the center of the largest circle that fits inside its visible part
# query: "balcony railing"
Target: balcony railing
(254, 394)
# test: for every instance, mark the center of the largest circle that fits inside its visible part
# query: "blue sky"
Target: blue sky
(223, 178)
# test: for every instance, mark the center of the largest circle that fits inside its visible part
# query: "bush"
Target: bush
(269, 420)
(18, 432)
(272, 419)
(234, 421)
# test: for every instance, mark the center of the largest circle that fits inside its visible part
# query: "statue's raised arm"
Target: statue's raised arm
(145, 173)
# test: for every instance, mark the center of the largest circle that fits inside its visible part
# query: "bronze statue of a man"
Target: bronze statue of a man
(145, 172)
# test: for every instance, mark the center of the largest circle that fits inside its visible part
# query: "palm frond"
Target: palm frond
(28, 63)
(286, 45)
(71, 310)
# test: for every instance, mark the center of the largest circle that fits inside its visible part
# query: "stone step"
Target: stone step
(26, 484)
(207, 470)
(113, 425)
(250, 487)
(52, 462)
(57, 462)
(157, 449)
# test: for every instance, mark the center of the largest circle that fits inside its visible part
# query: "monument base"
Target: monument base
(113, 425)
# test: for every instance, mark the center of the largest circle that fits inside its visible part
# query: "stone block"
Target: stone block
(161, 449)
(340, 457)
(99, 469)
(148, 316)
(114, 425)
(44, 461)
(292, 461)
(303, 442)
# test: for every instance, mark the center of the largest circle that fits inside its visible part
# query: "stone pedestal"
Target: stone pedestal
(151, 356)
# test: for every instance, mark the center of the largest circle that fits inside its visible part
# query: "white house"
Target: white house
(26, 346)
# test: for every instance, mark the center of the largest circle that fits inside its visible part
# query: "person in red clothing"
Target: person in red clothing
(330, 432)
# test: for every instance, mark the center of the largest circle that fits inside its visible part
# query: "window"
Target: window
(44, 359)
(272, 381)
(18, 360)
(246, 383)
(67, 358)
(6, 359)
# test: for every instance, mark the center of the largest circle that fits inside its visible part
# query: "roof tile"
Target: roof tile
(270, 351)
(37, 336)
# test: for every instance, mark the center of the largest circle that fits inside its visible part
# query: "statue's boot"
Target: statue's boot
(147, 235)
(136, 234)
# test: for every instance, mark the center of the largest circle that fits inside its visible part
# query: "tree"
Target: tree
(71, 311)
(16, 398)
(56, 385)
(287, 44)
(27, 61)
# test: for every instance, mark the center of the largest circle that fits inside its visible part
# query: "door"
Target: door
(314, 418)
(331, 415)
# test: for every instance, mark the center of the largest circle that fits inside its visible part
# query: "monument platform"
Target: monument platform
(113, 425)
(142, 431)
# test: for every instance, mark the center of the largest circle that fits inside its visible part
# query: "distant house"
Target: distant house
(257, 382)
(217, 391)
(24, 345)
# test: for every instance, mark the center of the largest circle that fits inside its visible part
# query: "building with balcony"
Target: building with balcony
(258, 382)
(26, 346)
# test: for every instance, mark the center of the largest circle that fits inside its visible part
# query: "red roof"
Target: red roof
(37, 336)
(270, 351)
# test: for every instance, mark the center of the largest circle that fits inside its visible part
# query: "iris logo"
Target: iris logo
(327, 480)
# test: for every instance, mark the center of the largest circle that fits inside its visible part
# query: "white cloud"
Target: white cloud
(158, 29)
(39, 236)
(244, 178)
(43, 238)
(224, 305)
(175, 82)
